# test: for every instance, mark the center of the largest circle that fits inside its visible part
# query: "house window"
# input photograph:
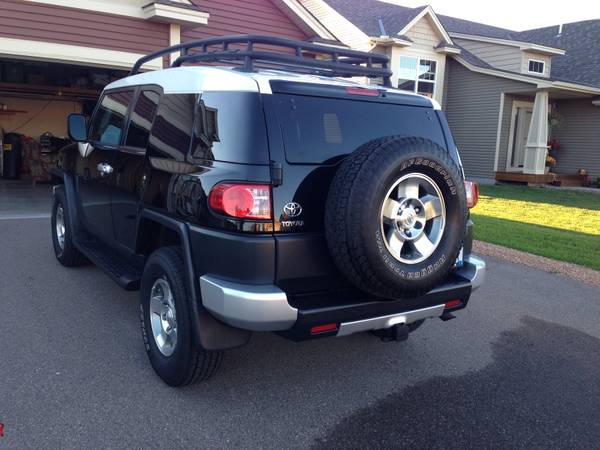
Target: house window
(417, 75)
(536, 66)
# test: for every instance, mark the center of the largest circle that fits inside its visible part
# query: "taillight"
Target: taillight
(472, 191)
(242, 201)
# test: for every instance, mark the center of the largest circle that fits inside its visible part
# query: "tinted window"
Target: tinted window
(172, 129)
(230, 126)
(319, 129)
(141, 119)
(109, 120)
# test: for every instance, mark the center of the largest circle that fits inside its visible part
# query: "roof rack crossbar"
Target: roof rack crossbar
(337, 62)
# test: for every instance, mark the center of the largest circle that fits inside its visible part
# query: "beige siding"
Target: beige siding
(337, 24)
(425, 38)
(547, 60)
(424, 34)
(501, 56)
(412, 51)
(472, 105)
(579, 136)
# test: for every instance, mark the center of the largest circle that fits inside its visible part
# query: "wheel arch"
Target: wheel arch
(209, 333)
(62, 179)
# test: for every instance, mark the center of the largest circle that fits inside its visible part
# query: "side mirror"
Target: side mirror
(77, 127)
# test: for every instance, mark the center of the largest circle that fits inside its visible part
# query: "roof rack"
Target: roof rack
(333, 61)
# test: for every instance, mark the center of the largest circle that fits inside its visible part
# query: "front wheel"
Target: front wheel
(62, 232)
(166, 321)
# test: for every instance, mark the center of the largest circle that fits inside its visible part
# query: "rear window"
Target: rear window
(320, 130)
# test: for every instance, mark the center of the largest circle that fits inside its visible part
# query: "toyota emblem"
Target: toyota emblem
(292, 209)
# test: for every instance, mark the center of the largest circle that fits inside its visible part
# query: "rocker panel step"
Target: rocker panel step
(124, 274)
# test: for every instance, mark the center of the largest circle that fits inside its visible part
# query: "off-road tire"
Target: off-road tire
(188, 364)
(353, 208)
(67, 255)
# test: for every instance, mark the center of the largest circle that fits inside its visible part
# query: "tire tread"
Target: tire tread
(344, 231)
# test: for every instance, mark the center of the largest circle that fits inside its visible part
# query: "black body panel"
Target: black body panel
(352, 305)
(304, 264)
(164, 189)
(468, 242)
(238, 258)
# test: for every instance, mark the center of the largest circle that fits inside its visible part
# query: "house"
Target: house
(57, 55)
(505, 93)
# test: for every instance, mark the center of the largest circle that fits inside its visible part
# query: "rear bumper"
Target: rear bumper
(268, 308)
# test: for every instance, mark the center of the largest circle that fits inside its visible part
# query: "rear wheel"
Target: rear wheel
(166, 320)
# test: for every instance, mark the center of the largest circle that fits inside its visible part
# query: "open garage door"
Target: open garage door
(35, 99)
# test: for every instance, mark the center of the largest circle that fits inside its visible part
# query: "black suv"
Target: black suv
(271, 195)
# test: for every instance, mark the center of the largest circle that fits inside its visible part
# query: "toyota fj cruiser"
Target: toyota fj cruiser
(275, 194)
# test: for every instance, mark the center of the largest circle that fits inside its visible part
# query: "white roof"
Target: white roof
(195, 79)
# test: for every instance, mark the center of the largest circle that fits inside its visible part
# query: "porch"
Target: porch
(545, 178)
(530, 120)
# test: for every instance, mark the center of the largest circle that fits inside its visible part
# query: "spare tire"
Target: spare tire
(395, 216)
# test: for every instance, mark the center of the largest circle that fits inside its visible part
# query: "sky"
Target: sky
(516, 15)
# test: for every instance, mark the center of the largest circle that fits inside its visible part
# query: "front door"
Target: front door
(521, 121)
(130, 170)
(95, 172)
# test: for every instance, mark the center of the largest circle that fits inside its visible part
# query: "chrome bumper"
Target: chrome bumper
(266, 308)
(379, 323)
(473, 269)
(256, 308)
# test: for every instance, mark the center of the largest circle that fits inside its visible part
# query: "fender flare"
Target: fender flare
(68, 183)
(210, 333)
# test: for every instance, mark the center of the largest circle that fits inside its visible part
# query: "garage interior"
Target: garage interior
(35, 99)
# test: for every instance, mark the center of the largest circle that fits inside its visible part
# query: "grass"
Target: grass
(562, 225)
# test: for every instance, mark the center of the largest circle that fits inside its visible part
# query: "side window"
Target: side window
(171, 133)
(230, 126)
(141, 120)
(109, 120)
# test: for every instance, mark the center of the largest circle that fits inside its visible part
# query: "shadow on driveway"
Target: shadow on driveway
(542, 391)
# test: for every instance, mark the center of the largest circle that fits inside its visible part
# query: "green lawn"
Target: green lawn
(563, 225)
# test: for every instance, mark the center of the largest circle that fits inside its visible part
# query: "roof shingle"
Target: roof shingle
(580, 40)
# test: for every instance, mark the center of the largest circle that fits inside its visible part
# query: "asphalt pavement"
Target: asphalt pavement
(519, 368)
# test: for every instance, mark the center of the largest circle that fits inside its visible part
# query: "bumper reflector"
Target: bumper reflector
(452, 304)
(323, 328)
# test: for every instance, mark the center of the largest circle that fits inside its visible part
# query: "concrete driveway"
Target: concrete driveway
(519, 368)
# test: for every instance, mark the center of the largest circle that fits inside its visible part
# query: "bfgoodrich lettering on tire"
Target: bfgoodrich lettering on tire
(166, 322)
(395, 216)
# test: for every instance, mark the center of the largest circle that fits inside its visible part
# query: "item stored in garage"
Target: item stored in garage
(11, 149)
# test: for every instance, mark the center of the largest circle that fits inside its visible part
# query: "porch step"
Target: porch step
(575, 180)
(122, 272)
(525, 177)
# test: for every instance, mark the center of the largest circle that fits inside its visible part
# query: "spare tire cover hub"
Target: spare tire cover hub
(413, 217)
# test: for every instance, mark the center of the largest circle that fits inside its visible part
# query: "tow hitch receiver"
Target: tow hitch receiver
(396, 333)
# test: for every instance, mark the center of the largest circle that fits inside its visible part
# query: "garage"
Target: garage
(57, 55)
(35, 99)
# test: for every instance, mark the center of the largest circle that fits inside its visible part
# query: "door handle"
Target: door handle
(105, 169)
